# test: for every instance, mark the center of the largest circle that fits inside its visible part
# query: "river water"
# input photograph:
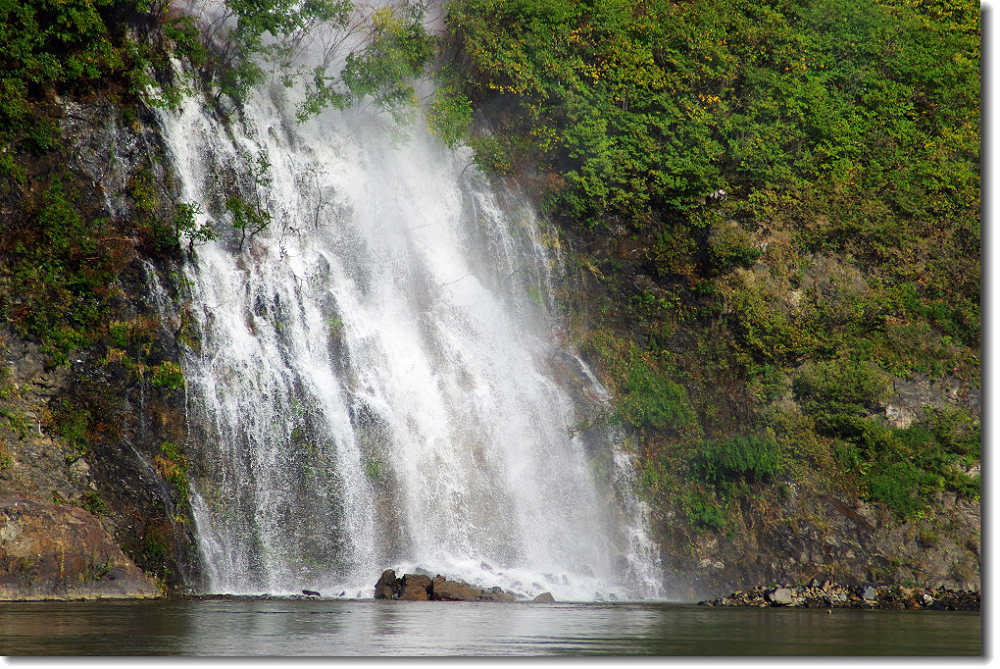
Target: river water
(286, 627)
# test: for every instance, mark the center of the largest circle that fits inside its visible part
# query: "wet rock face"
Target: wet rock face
(50, 550)
(111, 466)
(419, 587)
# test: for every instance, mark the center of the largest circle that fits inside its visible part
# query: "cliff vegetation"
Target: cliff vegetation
(771, 213)
(777, 204)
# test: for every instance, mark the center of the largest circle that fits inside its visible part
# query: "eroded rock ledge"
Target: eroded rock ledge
(420, 587)
(831, 596)
(60, 551)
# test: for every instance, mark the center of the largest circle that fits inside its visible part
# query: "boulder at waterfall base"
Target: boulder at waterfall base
(418, 587)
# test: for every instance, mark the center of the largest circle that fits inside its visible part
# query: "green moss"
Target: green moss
(73, 423)
(167, 375)
(154, 548)
(173, 466)
(94, 503)
(648, 397)
(374, 469)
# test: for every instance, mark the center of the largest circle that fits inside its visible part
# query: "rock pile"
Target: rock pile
(420, 587)
(831, 596)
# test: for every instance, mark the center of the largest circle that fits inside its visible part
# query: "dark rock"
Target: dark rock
(544, 597)
(420, 587)
(310, 593)
(495, 594)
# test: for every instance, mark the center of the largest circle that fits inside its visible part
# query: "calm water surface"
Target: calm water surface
(339, 627)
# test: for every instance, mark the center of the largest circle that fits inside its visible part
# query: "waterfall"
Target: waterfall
(377, 378)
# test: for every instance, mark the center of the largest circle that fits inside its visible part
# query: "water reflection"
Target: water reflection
(324, 628)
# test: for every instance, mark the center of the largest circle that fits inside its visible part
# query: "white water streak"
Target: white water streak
(376, 379)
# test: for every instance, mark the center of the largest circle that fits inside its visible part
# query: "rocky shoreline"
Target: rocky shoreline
(836, 596)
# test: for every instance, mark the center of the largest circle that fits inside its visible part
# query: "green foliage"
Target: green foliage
(173, 466)
(450, 116)
(845, 247)
(838, 120)
(900, 467)
(57, 266)
(335, 326)
(250, 214)
(904, 468)
(397, 51)
(186, 225)
(155, 548)
(751, 458)
(265, 31)
(704, 511)
(837, 392)
(730, 246)
(168, 449)
(957, 431)
(652, 400)
(167, 375)
(272, 33)
(47, 47)
(162, 236)
(94, 503)
(374, 469)
(73, 424)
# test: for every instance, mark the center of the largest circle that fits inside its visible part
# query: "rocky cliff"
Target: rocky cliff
(795, 362)
(92, 504)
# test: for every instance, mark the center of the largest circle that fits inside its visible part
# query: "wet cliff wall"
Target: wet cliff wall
(91, 475)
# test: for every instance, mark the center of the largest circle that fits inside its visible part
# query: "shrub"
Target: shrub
(901, 486)
(173, 466)
(73, 424)
(654, 401)
(704, 512)
(838, 393)
(94, 503)
(751, 458)
(450, 116)
(374, 469)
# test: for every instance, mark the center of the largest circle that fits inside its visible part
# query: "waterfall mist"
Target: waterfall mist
(377, 378)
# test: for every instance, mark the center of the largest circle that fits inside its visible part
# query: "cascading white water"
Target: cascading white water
(378, 381)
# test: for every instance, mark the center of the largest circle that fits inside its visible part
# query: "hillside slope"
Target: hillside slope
(772, 211)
